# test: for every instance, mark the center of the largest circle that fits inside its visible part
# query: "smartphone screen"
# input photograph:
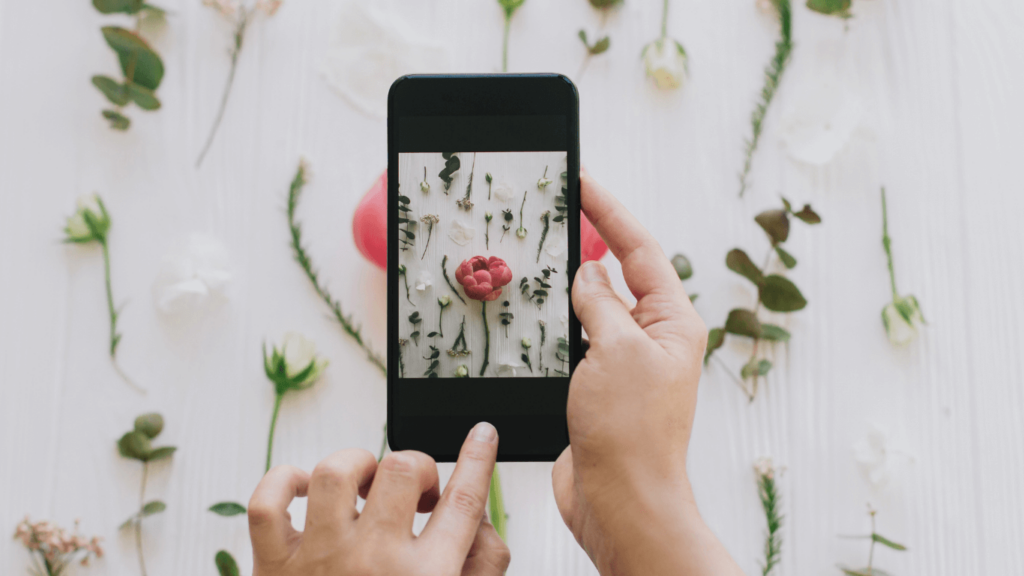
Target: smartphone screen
(483, 245)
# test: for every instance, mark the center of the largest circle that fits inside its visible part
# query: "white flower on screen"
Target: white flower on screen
(193, 276)
(665, 61)
(557, 248)
(424, 280)
(460, 233)
(820, 119)
(503, 191)
(877, 458)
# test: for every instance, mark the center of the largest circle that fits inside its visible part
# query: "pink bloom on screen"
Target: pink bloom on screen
(482, 278)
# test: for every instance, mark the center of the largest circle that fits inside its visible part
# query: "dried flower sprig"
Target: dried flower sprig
(875, 538)
(459, 347)
(487, 229)
(429, 220)
(403, 272)
(293, 366)
(415, 319)
(507, 216)
(526, 344)
(240, 15)
(521, 232)
(545, 218)
(444, 272)
(137, 445)
(91, 223)
(465, 201)
(509, 7)
(302, 257)
(442, 302)
(775, 292)
(142, 67)
(54, 549)
(434, 362)
(902, 316)
(506, 317)
(665, 59)
(768, 492)
(451, 166)
(772, 77)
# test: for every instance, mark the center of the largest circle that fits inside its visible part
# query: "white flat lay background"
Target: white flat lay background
(942, 88)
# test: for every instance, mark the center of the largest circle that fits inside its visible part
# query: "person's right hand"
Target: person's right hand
(621, 485)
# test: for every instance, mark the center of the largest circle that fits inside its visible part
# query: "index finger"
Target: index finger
(454, 524)
(270, 525)
(644, 265)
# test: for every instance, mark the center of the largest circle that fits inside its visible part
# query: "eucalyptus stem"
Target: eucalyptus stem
(487, 337)
(273, 427)
(243, 22)
(664, 19)
(444, 272)
(504, 46)
(887, 244)
(115, 338)
(138, 521)
(496, 505)
(350, 328)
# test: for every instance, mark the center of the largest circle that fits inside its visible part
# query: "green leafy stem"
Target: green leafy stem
(137, 445)
(768, 492)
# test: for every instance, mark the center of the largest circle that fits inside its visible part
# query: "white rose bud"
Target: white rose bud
(488, 216)
(542, 183)
(901, 319)
(527, 343)
(462, 371)
(424, 186)
(521, 232)
(89, 222)
(665, 62)
(295, 365)
(444, 301)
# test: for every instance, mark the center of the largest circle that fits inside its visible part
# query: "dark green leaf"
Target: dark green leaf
(139, 62)
(755, 368)
(775, 223)
(226, 565)
(808, 215)
(154, 507)
(115, 6)
(886, 542)
(830, 7)
(114, 91)
(716, 337)
(683, 267)
(228, 508)
(161, 453)
(863, 571)
(778, 294)
(117, 120)
(787, 259)
(431, 334)
(600, 47)
(774, 333)
(743, 323)
(738, 261)
(403, 199)
(150, 424)
(143, 97)
(134, 445)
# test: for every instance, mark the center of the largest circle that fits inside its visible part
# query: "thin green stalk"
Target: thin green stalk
(273, 427)
(887, 244)
(773, 75)
(487, 337)
(664, 19)
(444, 272)
(115, 338)
(504, 46)
(138, 522)
(303, 259)
(383, 444)
(496, 504)
(239, 38)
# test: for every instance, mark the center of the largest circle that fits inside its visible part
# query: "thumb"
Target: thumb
(598, 306)
(564, 487)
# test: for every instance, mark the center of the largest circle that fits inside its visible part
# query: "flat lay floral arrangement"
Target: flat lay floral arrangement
(482, 268)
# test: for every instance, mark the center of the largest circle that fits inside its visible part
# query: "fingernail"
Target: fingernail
(594, 272)
(483, 432)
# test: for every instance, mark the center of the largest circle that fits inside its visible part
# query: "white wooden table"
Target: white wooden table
(942, 86)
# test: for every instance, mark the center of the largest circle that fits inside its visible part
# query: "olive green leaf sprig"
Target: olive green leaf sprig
(227, 509)
(293, 366)
(506, 317)
(415, 320)
(768, 492)
(600, 46)
(142, 67)
(684, 270)
(507, 216)
(91, 223)
(459, 348)
(401, 374)
(540, 351)
(875, 538)
(562, 201)
(405, 218)
(665, 59)
(545, 219)
(424, 186)
(404, 273)
(303, 259)
(540, 293)
(136, 444)
(509, 7)
(444, 272)
(465, 202)
(487, 229)
(772, 77)
(442, 303)
(840, 8)
(429, 220)
(451, 166)
(902, 316)
(562, 355)
(226, 565)
(521, 231)
(434, 362)
(526, 344)
(240, 15)
(774, 292)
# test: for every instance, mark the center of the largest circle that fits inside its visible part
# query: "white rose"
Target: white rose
(665, 62)
(299, 353)
(901, 319)
(77, 229)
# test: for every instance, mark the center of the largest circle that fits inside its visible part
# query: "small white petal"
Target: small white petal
(193, 276)
(424, 280)
(820, 120)
(557, 248)
(460, 233)
(507, 370)
(503, 191)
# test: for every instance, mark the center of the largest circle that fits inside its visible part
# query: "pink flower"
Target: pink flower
(482, 278)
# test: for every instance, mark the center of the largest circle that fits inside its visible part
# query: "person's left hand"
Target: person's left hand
(340, 541)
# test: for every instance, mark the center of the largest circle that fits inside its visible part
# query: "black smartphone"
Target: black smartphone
(483, 246)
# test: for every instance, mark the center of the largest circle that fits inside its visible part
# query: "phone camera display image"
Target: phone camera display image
(483, 254)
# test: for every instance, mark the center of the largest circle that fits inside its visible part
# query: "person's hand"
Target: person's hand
(621, 485)
(339, 541)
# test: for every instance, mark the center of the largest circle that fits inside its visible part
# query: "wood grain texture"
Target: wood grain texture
(941, 84)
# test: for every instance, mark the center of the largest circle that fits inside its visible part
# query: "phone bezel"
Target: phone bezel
(539, 432)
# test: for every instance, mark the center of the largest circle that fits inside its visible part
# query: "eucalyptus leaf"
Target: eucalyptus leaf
(117, 120)
(150, 424)
(154, 507)
(886, 542)
(808, 215)
(228, 509)
(160, 453)
(226, 565)
(683, 267)
(787, 259)
(116, 92)
(830, 7)
(134, 445)
(775, 223)
(743, 323)
(738, 261)
(778, 294)
(755, 368)
(143, 97)
(774, 333)
(139, 62)
(115, 6)
(716, 338)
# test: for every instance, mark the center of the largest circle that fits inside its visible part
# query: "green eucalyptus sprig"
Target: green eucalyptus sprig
(509, 7)
(459, 348)
(545, 219)
(91, 223)
(840, 8)
(540, 293)
(451, 166)
(506, 317)
(444, 272)
(507, 216)
(136, 444)
(442, 303)
(302, 257)
(415, 320)
(405, 218)
(768, 492)
(774, 292)
(434, 362)
(141, 66)
(240, 15)
(875, 538)
(562, 201)
(902, 315)
(293, 366)
(772, 78)
(600, 46)
(465, 202)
